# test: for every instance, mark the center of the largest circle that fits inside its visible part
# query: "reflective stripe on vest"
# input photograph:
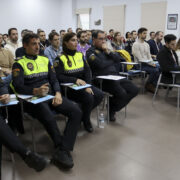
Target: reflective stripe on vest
(34, 68)
(76, 61)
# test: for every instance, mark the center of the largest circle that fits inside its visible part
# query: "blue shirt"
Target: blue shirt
(52, 53)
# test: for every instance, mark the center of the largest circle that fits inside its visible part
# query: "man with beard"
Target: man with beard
(83, 45)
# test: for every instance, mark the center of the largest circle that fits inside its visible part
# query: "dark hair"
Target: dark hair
(111, 30)
(133, 32)
(79, 33)
(158, 32)
(127, 33)
(169, 37)
(5, 35)
(40, 31)
(68, 29)
(11, 29)
(95, 33)
(78, 29)
(151, 33)
(178, 45)
(62, 30)
(28, 37)
(24, 30)
(141, 30)
(66, 38)
(52, 34)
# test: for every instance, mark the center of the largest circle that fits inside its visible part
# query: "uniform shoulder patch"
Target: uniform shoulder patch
(56, 63)
(97, 51)
(16, 72)
(92, 57)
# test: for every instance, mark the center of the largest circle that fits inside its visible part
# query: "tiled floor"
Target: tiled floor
(144, 146)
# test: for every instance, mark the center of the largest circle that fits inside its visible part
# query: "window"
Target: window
(84, 21)
(83, 18)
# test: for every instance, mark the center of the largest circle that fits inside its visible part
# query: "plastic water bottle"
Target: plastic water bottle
(101, 120)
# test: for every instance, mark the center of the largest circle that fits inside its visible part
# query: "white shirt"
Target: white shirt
(141, 51)
(178, 54)
(13, 46)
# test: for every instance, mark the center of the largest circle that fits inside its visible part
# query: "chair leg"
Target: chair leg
(13, 164)
(125, 111)
(143, 82)
(154, 96)
(33, 135)
(97, 111)
(108, 109)
(167, 92)
(178, 99)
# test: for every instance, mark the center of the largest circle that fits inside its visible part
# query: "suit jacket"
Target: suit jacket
(167, 64)
(153, 47)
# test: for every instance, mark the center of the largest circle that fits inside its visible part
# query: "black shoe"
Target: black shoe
(112, 116)
(88, 127)
(35, 161)
(150, 87)
(62, 159)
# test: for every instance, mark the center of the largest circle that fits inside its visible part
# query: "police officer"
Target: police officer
(33, 75)
(11, 141)
(102, 62)
(72, 68)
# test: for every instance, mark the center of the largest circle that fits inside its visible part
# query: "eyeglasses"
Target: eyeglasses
(102, 39)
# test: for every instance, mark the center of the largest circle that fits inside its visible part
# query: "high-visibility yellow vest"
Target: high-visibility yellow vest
(76, 63)
(126, 56)
(33, 68)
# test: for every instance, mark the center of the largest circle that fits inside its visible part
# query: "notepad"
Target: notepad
(111, 77)
(13, 101)
(35, 99)
(76, 87)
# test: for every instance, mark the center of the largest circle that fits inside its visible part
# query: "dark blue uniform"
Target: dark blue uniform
(102, 63)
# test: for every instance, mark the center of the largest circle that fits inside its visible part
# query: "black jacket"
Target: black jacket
(102, 63)
(167, 64)
(153, 47)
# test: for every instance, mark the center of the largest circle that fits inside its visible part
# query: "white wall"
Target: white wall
(60, 14)
(33, 14)
(133, 11)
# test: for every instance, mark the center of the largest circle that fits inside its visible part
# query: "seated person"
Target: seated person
(118, 42)
(103, 62)
(20, 52)
(11, 141)
(54, 49)
(34, 75)
(178, 50)
(129, 43)
(152, 35)
(83, 45)
(168, 59)
(72, 68)
(141, 52)
(6, 62)
(155, 44)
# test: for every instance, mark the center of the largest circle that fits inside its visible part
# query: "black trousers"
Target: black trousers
(87, 101)
(44, 113)
(10, 140)
(123, 92)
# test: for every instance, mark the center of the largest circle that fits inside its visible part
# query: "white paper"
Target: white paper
(111, 77)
